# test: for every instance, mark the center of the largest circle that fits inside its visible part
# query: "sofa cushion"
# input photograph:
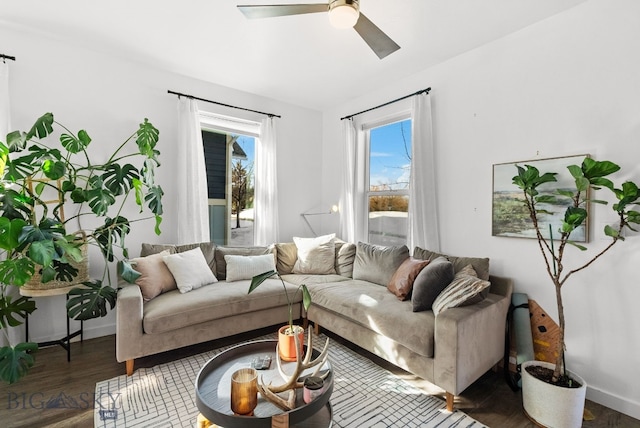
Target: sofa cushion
(462, 289)
(316, 255)
(189, 269)
(208, 249)
(377, 263)
(173, 310)
(345, 256)
(310, 280)
(246, 267)
(287, 254)
(149, 249)
(221, 265)
(481, 265)
(401, 282)
(155, 277)
(430, 282)
(375, 308)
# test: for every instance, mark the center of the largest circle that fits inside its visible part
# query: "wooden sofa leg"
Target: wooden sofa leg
(449, 397)
(316, 328)
(305, 323)
(129, 367)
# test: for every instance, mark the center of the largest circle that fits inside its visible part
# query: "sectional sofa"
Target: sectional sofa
(375, 297)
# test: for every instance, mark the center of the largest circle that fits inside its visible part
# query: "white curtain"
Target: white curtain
(423, 212)
(12, 335)
(348, 193)
(193, 206)
(266, 185)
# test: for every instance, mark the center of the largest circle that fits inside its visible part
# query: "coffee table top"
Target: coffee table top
(213, 389)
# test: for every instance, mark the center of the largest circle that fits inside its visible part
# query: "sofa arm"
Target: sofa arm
(129, 329)
(469, 340)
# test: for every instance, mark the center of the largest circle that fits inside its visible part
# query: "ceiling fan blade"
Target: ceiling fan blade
(270, 11)
(377, 40)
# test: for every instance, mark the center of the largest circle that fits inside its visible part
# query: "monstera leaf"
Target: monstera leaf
(10, 309)
(16, 361)
(90, 301)
(118, 179)
(147, 138)
(16, 271)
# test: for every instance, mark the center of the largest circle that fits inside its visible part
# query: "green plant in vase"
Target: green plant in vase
(555, 250)
(286, 344)
(37, 239)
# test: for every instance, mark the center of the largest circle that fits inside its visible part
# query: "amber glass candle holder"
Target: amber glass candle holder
(244, 391)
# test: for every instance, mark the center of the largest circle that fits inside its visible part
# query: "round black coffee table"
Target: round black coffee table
(213, 390)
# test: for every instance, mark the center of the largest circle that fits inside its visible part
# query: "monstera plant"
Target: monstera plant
(38, 241)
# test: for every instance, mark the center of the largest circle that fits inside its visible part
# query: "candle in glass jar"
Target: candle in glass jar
(244, 391)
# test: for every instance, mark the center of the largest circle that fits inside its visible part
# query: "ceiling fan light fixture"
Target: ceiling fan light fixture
(344, 13)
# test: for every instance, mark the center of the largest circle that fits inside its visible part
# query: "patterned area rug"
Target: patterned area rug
(365, 395)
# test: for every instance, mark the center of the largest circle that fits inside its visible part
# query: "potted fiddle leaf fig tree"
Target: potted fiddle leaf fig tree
(553, 396)
(39, 245)
(286, 342)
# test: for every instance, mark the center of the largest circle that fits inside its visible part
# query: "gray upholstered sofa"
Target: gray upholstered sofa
(451, 350)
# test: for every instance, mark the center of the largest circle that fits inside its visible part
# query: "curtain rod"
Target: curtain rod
(386, 104)
(4, 57)
(222, 104)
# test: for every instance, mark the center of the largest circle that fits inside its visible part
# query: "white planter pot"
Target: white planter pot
(549, 405)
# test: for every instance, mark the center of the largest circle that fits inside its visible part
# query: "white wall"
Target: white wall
(568, 85)
(109, 97)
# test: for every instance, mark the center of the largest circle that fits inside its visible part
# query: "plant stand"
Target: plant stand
(65, 342)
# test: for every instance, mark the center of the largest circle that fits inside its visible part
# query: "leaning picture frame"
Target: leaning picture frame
(509, 215)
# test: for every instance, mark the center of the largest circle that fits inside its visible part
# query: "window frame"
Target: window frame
(366, 128)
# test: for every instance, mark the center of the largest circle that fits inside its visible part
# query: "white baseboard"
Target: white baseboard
(88, 333)
(615, 402)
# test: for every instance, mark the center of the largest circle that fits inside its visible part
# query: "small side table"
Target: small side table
(65, 342)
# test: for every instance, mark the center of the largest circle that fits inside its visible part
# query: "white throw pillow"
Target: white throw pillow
(246, 267)
(316, 256)
(190, 269)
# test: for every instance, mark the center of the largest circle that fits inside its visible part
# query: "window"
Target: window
(389, 167)
(229, 151)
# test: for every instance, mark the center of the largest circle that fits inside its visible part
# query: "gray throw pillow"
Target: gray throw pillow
(149, 249)
(221, 264)
(430, 282)
(480, 264)
(287, 254)
(377, 263)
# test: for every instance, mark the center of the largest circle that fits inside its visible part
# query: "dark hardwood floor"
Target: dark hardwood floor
(489, 400)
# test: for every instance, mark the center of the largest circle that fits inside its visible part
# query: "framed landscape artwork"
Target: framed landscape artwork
(510, 217)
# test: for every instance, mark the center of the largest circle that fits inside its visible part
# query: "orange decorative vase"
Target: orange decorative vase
(287, 343)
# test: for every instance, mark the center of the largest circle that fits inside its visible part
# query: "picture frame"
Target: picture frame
(510, 218)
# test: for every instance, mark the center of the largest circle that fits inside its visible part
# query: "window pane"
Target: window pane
(390, 156)
(388, 219)
(242, 191)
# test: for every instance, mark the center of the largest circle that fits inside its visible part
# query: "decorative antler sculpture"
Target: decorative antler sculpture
(269, 392)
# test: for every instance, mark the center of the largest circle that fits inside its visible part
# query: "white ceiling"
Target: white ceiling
(297, 59)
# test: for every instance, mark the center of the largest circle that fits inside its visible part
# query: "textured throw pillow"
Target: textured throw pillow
(246, 267)
(221, 265)
(316, 256)
(190, 269)
(287, 254)
(430, 282)
(469, 271)
(345, 256)
(462, 289)
(377, 263)
(402, 280)
(155, 278)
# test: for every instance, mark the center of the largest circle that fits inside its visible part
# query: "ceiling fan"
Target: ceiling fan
(342, 14)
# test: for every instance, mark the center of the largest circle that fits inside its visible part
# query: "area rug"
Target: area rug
(365, 395)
